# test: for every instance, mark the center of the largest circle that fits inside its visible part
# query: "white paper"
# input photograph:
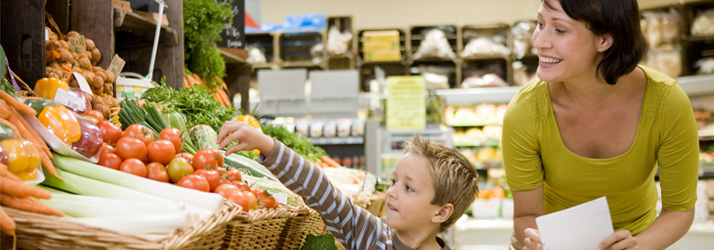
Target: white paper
(83, 85)
(68, 99)
(580, 227)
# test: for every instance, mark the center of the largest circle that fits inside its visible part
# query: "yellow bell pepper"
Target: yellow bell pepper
(22, 158)
(250, 120)
(62, 123)
(47, 87)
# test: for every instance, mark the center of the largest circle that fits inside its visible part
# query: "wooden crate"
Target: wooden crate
(295, 48)
(23, 38)
(267, 43)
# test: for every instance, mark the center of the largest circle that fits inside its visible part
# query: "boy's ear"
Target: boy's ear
(443, 214)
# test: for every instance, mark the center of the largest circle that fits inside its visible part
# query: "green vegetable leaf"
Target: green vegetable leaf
(322, 242)
(203, 22)
(2, 62)
(297, 143)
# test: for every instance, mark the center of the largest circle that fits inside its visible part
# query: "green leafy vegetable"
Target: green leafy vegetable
(325, 241)
(6, 86)
(297, 143)
(195, 103)
(203, 21)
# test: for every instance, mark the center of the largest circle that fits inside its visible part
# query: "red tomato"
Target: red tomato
(109, 160)
(194, 181)
(207, 158)
(91, 119)
(133, 166)
(140, 132)
(157, 172)
(234, 175)
(223, 181)
(245, 199)
(187, 156)
(174, 136)
(265, 200)
(226, 190)
(130, 147)
(95, 114)
(242, 185)
(161, 151)
(110, 132)
(211, 176)
(106, 148)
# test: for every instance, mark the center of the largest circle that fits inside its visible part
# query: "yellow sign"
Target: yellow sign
(406, 103)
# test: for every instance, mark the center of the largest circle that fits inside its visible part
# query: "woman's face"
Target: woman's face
(567, 49)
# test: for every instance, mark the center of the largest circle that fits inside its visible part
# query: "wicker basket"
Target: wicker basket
(305, 222)
(256, 229)
(36, 231)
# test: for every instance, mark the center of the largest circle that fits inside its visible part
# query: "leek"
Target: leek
(193, 198)
(90, 206)
(163, 223)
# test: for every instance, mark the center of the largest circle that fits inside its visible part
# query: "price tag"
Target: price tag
(83, 85)
(280, 197)
(68, 99)
(77, 44)
(116, 65)
(47, 35)
(406, 103)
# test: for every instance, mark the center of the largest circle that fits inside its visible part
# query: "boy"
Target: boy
(432, 186)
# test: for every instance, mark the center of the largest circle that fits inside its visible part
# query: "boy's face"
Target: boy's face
(409, 198)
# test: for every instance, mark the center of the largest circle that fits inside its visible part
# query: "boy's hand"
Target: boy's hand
(532, 240)
(248, 138)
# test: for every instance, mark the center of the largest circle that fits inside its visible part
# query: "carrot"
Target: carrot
(330, 161)
(7, 225)
(12, 126)
(19, 189)
(28, 205)
(6, 174)
(4, 109)
(17, 104)
(47, 163)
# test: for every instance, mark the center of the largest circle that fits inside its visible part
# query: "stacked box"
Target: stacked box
(381, 46)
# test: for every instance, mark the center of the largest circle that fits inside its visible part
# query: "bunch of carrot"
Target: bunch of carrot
(219, 93)
(15, 194)
(9, 115)
(327, 162)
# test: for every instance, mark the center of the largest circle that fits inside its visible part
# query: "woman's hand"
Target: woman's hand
(248, 138)
(622, 239)
(532, 240)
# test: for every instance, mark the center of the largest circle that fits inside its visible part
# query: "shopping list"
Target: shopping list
(580, 227)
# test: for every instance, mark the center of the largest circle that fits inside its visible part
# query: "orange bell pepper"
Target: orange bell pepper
(62, 123)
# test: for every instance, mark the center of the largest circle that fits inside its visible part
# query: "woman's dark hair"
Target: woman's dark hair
(620, 19)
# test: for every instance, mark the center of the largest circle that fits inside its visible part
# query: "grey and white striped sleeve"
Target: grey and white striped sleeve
(352, 225)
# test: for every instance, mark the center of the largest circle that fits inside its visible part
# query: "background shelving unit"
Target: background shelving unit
(499, 64)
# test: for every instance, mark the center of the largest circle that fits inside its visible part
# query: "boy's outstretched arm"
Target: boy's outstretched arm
(353, 226)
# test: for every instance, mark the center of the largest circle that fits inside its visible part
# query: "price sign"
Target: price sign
(68, 99)
(116, 65)
(83, 85)
(232, 35)
(77, 44)
(406, 103)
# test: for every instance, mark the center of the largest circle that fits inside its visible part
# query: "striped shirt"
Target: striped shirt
(353, 226)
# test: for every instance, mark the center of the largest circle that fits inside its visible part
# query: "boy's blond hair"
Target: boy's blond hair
(455, 177)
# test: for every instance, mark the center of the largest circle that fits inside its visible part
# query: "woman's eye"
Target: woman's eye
(560, 31)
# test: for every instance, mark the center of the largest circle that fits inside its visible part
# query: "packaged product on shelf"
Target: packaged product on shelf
(316, 127)
(338, 42)
(485, 46)
(522, 38)
(256, 55)
(660, 27)
(344, 127)
(703, 24)
(302, 126)
(358, 127)
(487, 80)
(704, 65)
(434, 45)
(330, 128)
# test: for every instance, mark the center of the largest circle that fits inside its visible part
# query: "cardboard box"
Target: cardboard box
(382, 56)
(119, 4)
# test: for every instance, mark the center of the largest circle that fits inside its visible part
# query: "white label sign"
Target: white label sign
(83, 85)
(69, 99)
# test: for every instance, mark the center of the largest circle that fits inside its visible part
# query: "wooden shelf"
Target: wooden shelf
(143, 27)
(234, 55)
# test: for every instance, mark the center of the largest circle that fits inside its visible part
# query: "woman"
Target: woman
(597, 124)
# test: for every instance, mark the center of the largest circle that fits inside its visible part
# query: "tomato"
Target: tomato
(110, 132)
(95, 114)
(211, 176)
(265, 200)
(91, 119)
(223, 181)
(226, 190)
(187, 156)
(194, 181)
(129, 147)
(140, 132)
(161, 151)
(174, 136)
(178, 168)
(234, 175)
(245, 199)
(133, 166)
(157, 172)
(106, 148)
(109, 160)
(207, 158)
(242, 185)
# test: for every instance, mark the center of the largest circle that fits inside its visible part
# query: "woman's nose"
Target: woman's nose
(541, 40)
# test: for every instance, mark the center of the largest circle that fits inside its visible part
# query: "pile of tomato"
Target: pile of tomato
(136, 151)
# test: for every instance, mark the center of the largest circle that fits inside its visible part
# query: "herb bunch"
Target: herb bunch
(203, 22)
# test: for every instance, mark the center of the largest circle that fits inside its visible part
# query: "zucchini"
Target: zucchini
(252, 167)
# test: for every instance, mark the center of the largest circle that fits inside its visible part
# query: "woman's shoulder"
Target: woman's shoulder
(535, 90)
(531, 102)
(655, 76)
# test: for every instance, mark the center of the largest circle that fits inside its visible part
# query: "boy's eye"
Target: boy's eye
(539, 24)
(393, 181)
(409, 188)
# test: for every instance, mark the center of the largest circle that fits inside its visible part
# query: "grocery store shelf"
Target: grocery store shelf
(478, 95)
(336, 140)
(697, 85)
